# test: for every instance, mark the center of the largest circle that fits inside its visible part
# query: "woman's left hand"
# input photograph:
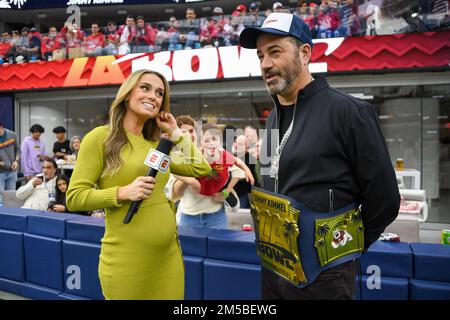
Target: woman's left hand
(166, 121)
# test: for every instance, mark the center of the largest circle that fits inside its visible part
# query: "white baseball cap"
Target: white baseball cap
(277, 23)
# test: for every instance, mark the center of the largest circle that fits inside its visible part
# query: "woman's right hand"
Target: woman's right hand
(139, 189)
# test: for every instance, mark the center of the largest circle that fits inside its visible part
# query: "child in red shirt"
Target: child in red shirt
(220, 161)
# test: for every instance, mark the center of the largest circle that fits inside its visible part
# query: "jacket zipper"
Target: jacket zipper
(331, 200)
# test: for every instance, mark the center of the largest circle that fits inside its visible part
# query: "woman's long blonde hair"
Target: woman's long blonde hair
(118, 138)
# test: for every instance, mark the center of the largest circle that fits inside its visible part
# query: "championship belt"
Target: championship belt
(298, 244)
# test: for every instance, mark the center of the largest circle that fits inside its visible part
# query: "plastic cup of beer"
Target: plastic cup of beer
(400, 165)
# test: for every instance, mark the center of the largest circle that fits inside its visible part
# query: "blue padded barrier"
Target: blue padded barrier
(390, 289)
(233, 245)
(11, 286)
(429, 290)
(43, 261)
(36, 292)
(20, 210)
(81, 269)
(225, 280)
(13, 219)
(395, 259)
(431, 261)
(49, 224)
(85, 229)
(194, 241)
(193, 278)
(12, 262)
(66, 296)
(29, 290)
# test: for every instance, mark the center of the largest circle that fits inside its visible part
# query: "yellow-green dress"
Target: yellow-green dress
(142, 259)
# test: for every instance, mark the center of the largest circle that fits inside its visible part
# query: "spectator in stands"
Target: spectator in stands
(40, 190)
(350, 21)
(61, 148)
(254, 17)
(5, 46)
(14, 41)
(75, 144)
(191, 29)
(9, 159)
(93, 45)
(169, 39)
(51, 43)
(59, 205)
(328, 20)
(145, 36)
(313, 12)
(302, 8)
(28, 47)
(238, 19)
(279, 7)
(306, 14)
(174, 25)
(373, 16)
(208, 31)
(33, 152)
(126, 33)
(35, 33)
(217, 14)
(221, 36)
(73, 37)
(112, 39)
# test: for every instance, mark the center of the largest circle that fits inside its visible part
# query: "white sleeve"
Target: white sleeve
(237, 172)
(25, 191)
(168, 189)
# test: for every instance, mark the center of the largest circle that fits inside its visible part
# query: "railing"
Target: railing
(325, 22)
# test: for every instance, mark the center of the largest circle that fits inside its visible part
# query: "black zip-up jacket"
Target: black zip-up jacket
(335, 155)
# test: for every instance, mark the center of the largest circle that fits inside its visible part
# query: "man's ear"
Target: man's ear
(305, 53)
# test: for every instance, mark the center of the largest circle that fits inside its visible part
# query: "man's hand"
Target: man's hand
(15, 165)
(37, 181)
(59, 208)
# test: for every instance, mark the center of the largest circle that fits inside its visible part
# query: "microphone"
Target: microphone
(157, 160)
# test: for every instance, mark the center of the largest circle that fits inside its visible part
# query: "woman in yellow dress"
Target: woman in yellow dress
(142, 259)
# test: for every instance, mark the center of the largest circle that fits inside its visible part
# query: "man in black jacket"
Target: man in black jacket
(329, 151)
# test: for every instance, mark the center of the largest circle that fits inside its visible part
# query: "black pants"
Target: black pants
(337, 283)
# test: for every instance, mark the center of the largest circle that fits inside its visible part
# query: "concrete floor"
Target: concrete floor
(9, 296)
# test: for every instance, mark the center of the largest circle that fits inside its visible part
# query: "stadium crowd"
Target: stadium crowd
(327, 19)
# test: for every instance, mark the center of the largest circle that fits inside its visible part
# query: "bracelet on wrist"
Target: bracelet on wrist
(225, 193)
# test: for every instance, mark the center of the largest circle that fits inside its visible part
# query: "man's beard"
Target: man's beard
(287, 77)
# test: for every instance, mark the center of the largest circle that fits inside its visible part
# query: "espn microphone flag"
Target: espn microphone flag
(157, 160)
